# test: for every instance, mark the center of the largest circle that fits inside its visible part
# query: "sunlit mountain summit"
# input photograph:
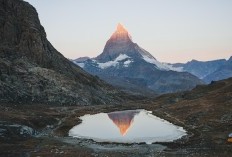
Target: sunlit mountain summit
(120, 34)
(121, 44)
(124, 64)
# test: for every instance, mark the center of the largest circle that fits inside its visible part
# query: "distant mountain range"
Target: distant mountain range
(209, 70)
(129, 67)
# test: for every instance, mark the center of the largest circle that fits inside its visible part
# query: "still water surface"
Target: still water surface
(130, 126)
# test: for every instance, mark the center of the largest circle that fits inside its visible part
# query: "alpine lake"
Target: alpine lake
(127, 127)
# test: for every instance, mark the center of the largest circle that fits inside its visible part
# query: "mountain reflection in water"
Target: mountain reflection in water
(123, 119)
(130, 126)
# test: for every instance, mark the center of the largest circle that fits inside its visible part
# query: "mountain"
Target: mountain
(126, 65)
(223, 72)
(32, 70)
(201, 68)
(209, 70)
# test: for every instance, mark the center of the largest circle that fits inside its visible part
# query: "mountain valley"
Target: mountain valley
(43, 95)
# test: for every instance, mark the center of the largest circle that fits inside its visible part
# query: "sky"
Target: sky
(171, 30)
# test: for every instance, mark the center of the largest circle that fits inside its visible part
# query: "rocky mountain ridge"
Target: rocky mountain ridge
(208, 70)
(33, 71)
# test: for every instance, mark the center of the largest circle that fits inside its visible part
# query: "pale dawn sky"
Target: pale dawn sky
(171, 30)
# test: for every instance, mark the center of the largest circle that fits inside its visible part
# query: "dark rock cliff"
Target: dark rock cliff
(32, 70)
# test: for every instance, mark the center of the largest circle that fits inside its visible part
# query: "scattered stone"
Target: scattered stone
(229, 140)
(230, 135)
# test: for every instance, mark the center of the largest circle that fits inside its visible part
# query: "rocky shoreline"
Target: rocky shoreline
(58, 120)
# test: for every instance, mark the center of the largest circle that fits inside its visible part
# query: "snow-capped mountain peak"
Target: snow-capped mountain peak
(121, 46)
(126, 65)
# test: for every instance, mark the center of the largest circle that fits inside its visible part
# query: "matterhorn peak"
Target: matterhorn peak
(121, 34)
(121, 28)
